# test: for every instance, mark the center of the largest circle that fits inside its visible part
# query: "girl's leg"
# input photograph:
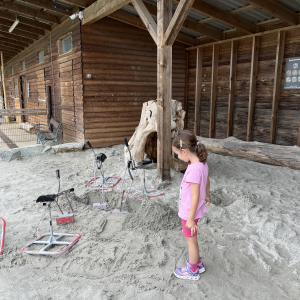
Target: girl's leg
(193, 249)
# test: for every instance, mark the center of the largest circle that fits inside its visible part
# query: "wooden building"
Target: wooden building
(228, 66)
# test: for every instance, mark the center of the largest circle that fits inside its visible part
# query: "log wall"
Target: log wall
(63, 72)
(289, 101)
(122, 60)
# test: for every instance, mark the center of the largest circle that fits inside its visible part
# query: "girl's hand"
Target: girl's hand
(191, 225)
(207, 201)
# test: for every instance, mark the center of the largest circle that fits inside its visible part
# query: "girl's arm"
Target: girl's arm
(195, 192)
(207, 200)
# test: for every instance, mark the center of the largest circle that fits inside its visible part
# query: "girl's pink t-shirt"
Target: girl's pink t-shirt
(195, 173)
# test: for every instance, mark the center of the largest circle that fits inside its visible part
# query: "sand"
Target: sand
(249, 238)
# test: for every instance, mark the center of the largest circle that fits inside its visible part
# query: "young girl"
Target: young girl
(194, 194)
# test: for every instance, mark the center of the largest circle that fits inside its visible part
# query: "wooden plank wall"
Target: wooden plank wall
(63, 73)
(289, 102)
(123, 62)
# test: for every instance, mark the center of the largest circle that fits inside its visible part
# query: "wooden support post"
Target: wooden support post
(252, 89)
(233, 63)
(186, 87)
(198, 90)
(298, 142)
(4, 87)
(18, 100)
(277, 83)
(213, 100)
(48, 103)
(164, 90)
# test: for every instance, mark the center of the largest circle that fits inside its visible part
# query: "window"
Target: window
(41, 57)
(12, 70)
(66, 44)
(23, 65)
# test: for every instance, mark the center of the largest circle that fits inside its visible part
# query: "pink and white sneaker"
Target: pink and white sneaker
(200, 265)
(186, 273)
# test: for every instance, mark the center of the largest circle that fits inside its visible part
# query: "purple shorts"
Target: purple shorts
(186, 231)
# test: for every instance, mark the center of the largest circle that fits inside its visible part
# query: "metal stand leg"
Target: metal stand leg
(52, 241)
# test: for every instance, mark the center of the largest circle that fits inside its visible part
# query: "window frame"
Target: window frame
(40, 62)
(60, 45)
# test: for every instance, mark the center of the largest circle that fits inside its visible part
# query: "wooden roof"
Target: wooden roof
(208, 21)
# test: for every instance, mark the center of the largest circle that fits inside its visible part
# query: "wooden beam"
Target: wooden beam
(15, 37)
(137, 22)
(12, 42)
(190, 25)
(203, 30)
(276, 10)
(146, 18)
(186, 86)
(233, 63)
(223, 16)
(34, 23)
(48, 5)
(252, 88)
(22, 27)
(9, 49)
(298, 142)
(80, 3)
(24, 10)
(178, 18)
(19, 32)
(199, 63)
(164, 90)
(101, 9)
(3, 81)
(13, 47)
(277, 83)
(214, 81)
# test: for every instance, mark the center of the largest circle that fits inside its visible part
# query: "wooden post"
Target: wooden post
(4, 88)
(198, 90)
(48, 103)
(164, 90)
(233, 63)
(298, 142)
(277, 83)
(186, 87)
(213, 100)
(252, 89)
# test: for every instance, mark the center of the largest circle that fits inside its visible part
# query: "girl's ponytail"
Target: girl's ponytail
(201, 152)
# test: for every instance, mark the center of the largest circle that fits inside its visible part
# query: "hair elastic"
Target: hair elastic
(197, 143)
(180, 144)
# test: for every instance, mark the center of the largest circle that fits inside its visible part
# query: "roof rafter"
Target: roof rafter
(45, 4)
(18, 32)
(13, 42)
(9, 49)
(34, 23)
(35, 13)
(223, 16)
(15, 37)
(276, 10)
(23, 27)
(80, 3)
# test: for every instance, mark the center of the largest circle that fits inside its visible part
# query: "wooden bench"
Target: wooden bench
(44, 134)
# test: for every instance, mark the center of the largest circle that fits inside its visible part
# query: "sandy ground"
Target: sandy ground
(249, 238)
